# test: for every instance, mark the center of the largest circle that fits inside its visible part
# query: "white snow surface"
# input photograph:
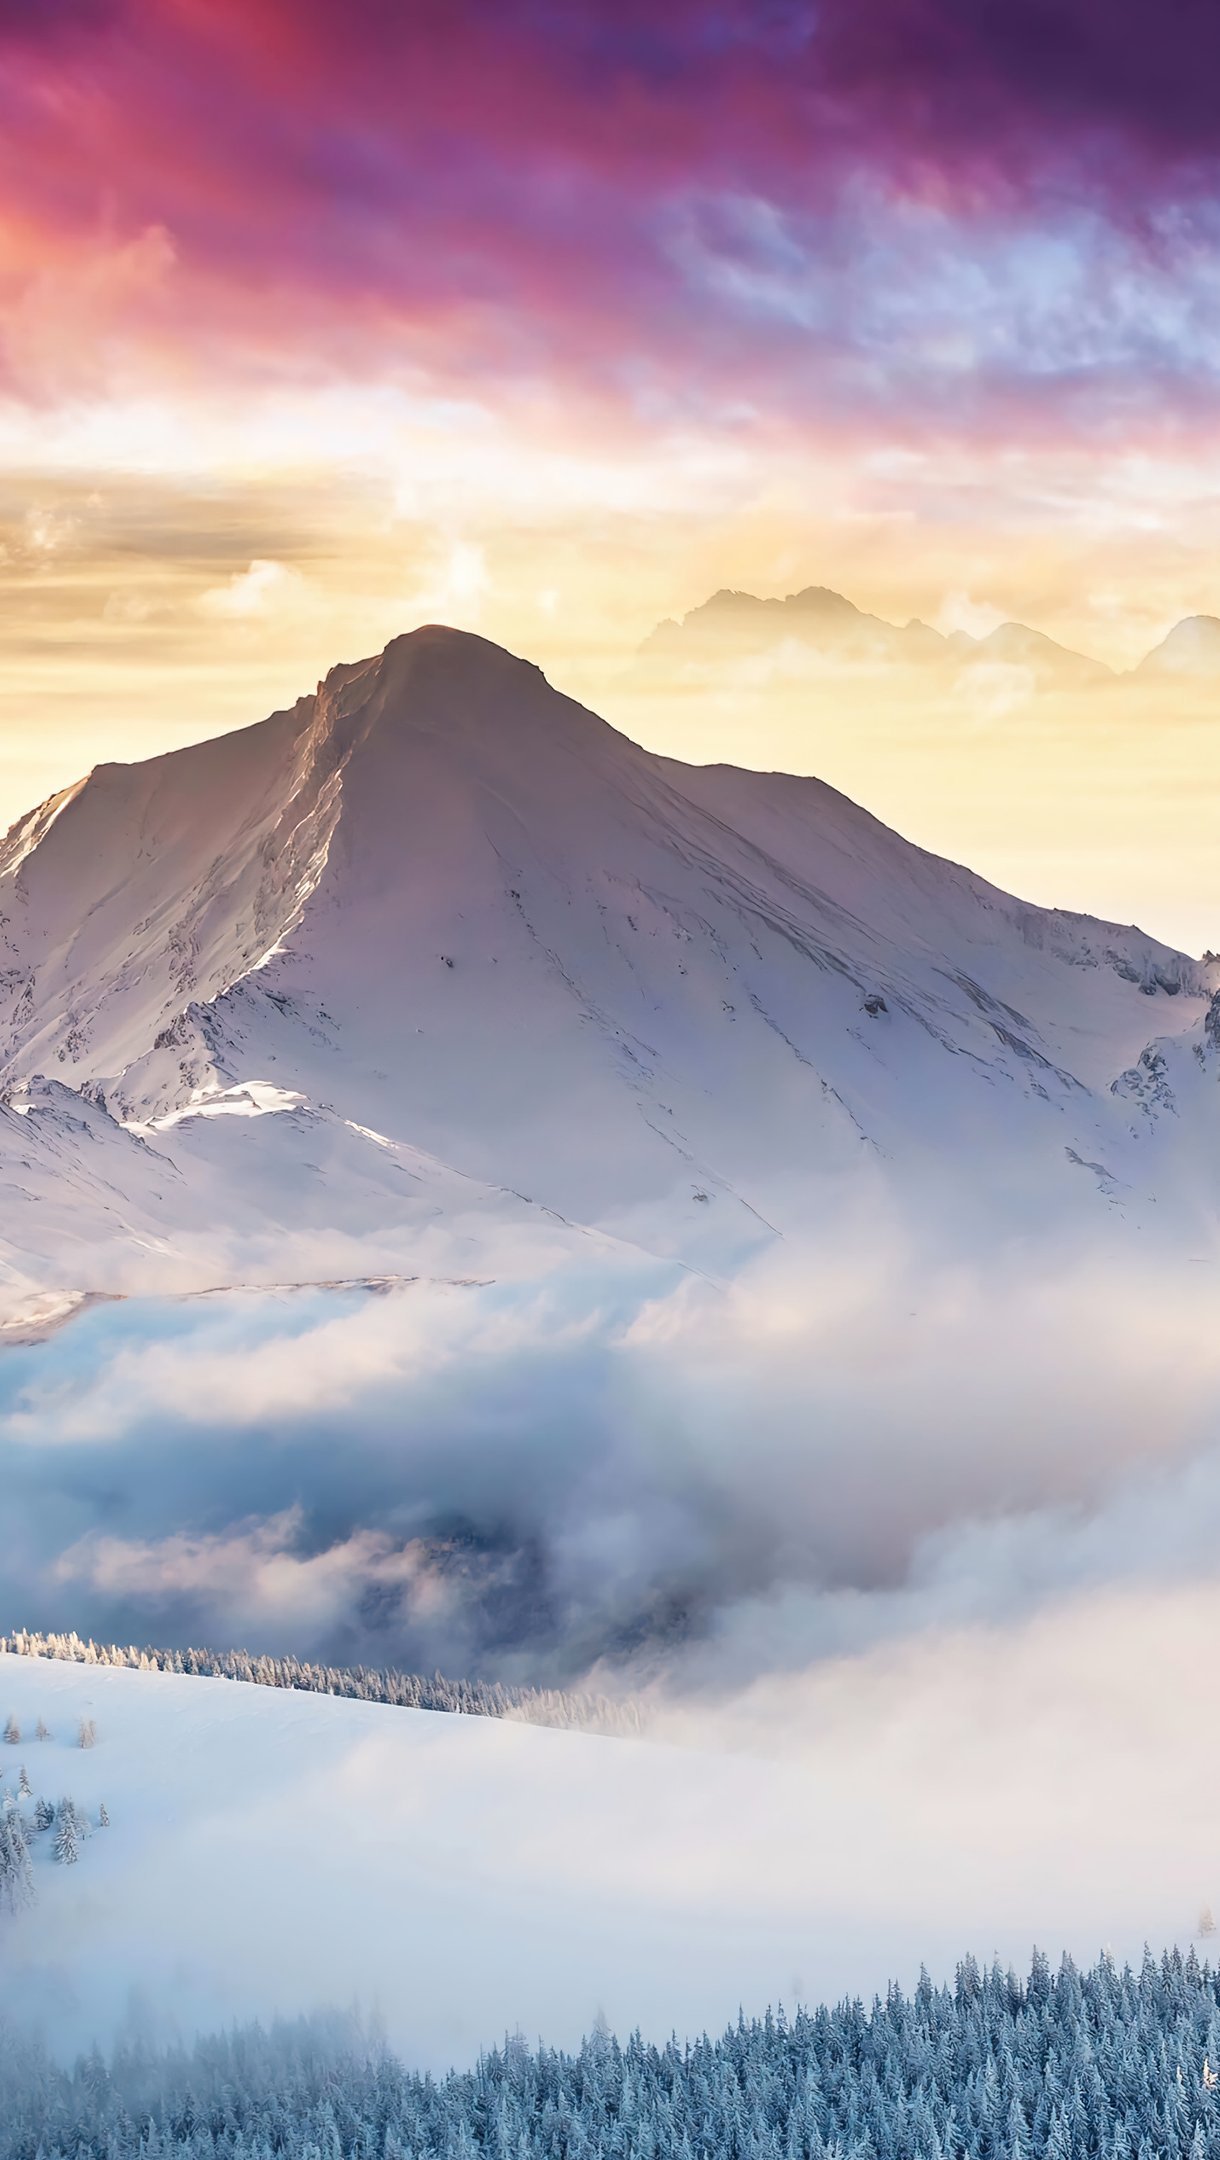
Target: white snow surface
(438, 974)
(468, 1877)
(277, 1852)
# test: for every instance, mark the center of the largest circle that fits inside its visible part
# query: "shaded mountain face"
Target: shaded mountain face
(437, 966)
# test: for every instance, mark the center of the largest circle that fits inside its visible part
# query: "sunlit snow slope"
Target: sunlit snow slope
(437, 967)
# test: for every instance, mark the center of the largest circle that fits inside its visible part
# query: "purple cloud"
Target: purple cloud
(876, 205)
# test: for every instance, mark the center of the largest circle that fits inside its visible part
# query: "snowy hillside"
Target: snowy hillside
(436, 974)
(469, 1877)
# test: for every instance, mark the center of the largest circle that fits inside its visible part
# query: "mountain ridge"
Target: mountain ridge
(828, 622)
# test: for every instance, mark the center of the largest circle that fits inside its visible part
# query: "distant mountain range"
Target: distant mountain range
(741, 623)
(436, 966)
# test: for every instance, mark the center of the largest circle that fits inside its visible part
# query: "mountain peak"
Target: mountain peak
(1191, 648)
(432, 652)
(432, 681)
(454, 645)
(822, 600)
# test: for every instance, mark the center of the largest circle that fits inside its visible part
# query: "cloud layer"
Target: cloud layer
(689, 1486)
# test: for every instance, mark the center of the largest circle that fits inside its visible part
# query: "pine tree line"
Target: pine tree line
(1107, 2064)
(406, 1691)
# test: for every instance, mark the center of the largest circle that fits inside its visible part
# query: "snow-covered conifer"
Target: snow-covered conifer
(67, 1834)
(16, 1876)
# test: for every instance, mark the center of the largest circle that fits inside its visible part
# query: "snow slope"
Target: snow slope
(437, 968)
(469, 1877)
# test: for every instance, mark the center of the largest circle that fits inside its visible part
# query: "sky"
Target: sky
(550, 320)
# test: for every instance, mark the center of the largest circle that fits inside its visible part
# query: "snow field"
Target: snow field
(466, 1877)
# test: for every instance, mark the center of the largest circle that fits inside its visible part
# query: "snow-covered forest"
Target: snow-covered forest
(359, 1683)
(1105, 2064)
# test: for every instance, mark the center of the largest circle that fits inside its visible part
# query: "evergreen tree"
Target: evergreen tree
(67, 1834)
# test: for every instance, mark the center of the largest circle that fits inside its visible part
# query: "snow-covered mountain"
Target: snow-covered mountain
(437, 965)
